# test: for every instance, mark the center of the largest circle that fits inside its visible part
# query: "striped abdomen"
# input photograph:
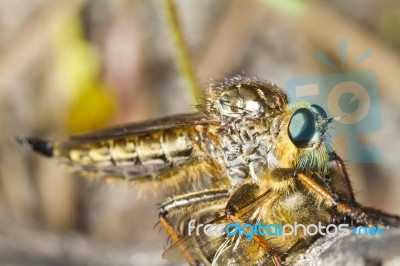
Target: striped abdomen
(145, 156)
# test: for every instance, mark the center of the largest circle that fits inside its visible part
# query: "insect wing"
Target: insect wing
(168, 122)
(148, 151)
(233, 249)
(200, 245)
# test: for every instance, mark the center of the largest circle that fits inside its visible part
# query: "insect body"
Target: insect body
(250, 158)
(146, 152)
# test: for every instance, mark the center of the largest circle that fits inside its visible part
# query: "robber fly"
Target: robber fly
(251, 157)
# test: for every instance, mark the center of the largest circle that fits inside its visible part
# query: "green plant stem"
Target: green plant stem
(183, 59)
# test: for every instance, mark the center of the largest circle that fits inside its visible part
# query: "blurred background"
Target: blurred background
(68, 67)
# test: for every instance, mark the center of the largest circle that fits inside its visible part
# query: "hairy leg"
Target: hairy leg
(241, 198)
(181, 203)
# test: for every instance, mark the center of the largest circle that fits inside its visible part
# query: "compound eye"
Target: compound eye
(301, 127)
(320, 111)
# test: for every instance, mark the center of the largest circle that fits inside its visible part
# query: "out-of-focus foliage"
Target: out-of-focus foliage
(113, 62)
(389, 24)
(292, 7)
(92, 103)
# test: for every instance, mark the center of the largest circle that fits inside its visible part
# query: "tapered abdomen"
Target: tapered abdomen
(153, 155)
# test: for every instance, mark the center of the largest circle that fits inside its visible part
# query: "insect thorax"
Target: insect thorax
(250, 111)
(248, 147)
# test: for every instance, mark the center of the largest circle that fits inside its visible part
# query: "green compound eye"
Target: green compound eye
(301, 127)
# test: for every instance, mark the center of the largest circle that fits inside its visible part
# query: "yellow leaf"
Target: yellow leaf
(92, 109)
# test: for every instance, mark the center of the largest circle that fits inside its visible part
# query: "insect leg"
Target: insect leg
(194, 200)
(365, 216)
(177, 204)
(241, 198)
(343, 172)
(175, 237)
